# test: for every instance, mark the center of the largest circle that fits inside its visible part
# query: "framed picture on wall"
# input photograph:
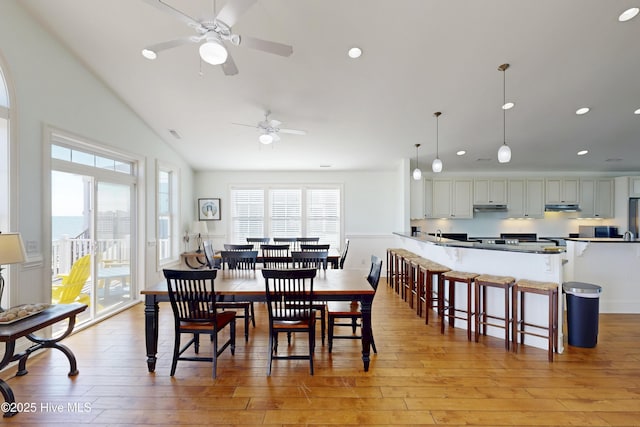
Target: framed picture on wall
(208, 209)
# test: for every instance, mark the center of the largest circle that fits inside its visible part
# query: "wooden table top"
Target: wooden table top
(49, 316)
(326, 282)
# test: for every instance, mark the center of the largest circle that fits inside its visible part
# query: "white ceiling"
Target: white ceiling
(420, 56)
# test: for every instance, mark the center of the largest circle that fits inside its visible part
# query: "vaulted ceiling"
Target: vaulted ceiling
(419, 57)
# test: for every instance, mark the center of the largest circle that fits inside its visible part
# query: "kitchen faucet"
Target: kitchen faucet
(438, 234)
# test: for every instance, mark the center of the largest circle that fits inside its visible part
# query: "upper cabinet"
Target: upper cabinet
(634, 186)
(596, 197)
(562, 191)
(452, 198)
(490, 191)
(526, 198)
(421, 199)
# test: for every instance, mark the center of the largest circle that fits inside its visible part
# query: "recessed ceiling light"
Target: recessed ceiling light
(461, 153)
(508, 106)
(355, 52)
(628, 14)
(637, 111)
(583, 110)
(582, 152)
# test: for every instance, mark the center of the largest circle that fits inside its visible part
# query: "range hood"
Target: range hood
(489, 208)
(562, 207)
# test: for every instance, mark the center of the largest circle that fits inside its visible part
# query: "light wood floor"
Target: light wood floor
(418, 377)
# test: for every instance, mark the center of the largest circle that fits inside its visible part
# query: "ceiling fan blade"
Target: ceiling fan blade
(266, 46)
(275, 123)
(229, 67)
(244, 124)
(159, 4)
(293, 131)
(275, 136)
(231, 11)
(169, 44)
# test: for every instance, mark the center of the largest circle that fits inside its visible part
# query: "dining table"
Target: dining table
(196, 260)
(328, 285)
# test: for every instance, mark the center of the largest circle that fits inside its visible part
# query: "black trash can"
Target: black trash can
(583, 301)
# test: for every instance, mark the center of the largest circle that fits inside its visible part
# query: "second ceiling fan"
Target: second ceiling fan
(212, 35)
(269, 129)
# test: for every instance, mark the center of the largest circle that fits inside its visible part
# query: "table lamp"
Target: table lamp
(199, 228)
(11, 252)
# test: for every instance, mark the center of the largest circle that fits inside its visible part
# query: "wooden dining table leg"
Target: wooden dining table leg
(365, 309)
(151, 330)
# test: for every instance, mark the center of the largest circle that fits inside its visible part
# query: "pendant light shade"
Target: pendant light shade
(436, 165)
(417, 173)
(504, 152)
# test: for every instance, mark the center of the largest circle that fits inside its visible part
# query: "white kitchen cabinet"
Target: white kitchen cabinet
(526, 198)
(634, 186)
(562, 191)
(421, 199)
(596, 197)
(490, 191)
(452, 198)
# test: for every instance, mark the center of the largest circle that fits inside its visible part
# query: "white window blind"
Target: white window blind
(286, 212)
(247, 214)
(323, 215)
(302, 211)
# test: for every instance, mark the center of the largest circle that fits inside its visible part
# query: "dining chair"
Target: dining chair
(289, 300)
(317, 260)
(257, 241)
(338, 310)
(343, 253)
(240, 262)
(306, 241)
(276, 256)
(195, 312)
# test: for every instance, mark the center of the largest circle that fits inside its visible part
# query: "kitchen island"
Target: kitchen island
(612, 263)
(533, 262)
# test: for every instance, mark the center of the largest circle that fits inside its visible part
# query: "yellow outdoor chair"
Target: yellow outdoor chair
(70, 289)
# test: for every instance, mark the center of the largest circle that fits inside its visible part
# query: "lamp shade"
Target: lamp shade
(417, 174)
(504, 154)
(436, 166)
(11, 249)
(213, 52)
(200, 227)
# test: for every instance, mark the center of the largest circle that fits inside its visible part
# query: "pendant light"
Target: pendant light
(417, 173)
(436, 166)
(504, 153)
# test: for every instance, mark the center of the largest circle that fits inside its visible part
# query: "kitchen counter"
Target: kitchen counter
(602, 240)
(527, 247)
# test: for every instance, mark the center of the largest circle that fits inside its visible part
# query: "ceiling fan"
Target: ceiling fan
(212, 35)
(269, 129)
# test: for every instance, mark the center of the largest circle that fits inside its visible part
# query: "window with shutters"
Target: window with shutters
(287, 211)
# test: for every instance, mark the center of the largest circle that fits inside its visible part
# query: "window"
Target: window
(287, 212)
(167, 222)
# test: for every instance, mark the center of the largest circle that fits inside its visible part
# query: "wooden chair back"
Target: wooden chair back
(310, 259)
(305, 247)
(192, 295)
(374, 274)
(236, 247)
(209, 254)
(289, 293)
(257, 241)
(276, 256)
(239, 260)
(343, 253)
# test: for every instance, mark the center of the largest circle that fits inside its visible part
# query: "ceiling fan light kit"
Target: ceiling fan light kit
(213, 51)
(504, 152)
(265, 138)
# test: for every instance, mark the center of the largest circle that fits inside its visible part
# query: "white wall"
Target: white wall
(371, 201)
(53, 88)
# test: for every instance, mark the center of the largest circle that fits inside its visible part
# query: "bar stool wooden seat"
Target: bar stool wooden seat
(426, 298)
(549, 289)
(450, 311)
(483, 282)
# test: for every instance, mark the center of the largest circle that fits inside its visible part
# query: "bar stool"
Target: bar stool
(483, 282)
(428, 269)
(406, 280)
(549, 289)
(450, 311)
